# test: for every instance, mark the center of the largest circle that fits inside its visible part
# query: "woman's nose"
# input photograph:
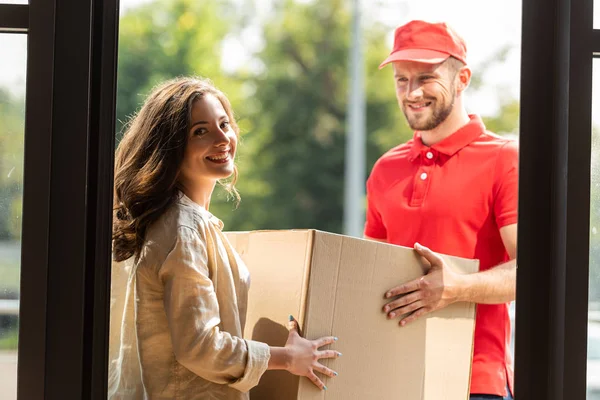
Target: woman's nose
(222, 137)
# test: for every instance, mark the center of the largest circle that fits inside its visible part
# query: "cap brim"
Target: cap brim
(416, 55)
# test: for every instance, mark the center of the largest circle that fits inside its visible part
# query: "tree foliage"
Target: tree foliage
(290, 101)
(12, 117)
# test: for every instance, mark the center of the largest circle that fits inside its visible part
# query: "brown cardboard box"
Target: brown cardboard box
(334, 285)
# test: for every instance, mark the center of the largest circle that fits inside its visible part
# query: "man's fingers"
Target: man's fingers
(403, 301)
(412, 317)
(403, 289)
(324, 370)
(315, 379)
(433, 258)
(405, 310)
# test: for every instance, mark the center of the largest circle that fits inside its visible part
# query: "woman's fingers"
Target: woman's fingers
(324, 341)
(293, 325)
(315, 379)
(328, 354)
(318, 367)
(324, 370)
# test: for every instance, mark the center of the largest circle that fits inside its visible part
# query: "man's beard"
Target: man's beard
(439, 115)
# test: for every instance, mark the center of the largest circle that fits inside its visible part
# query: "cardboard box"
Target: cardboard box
(334, 285)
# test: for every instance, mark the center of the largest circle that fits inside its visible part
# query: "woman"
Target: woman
(189, 284)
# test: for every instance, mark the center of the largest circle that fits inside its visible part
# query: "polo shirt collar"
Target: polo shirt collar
(453, 143)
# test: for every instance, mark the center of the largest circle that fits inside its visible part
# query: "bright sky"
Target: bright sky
(485, 25)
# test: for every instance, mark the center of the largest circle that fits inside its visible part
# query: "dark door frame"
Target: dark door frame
(558, 44)
(67, 195)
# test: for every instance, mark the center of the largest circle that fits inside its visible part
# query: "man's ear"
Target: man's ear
(463, 78)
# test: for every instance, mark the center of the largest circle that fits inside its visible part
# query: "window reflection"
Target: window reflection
(12, 116)
(593, 365)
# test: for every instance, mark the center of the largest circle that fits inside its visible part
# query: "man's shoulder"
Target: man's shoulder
(497, 140)
(389, 166)
(503, 146)
(400, 153)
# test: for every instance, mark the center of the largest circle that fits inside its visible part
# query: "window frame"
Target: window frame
(554, 186)
(14, 18)
(67, 203)
(67, 195)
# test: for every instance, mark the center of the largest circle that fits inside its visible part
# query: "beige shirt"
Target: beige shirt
(182, 336)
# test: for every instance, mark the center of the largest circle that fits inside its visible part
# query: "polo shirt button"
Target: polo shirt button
(429, 155)
(424, 176)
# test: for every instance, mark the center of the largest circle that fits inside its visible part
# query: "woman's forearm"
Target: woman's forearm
(280, 358)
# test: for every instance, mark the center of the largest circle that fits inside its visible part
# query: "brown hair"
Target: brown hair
(149, 157)
(454, 65)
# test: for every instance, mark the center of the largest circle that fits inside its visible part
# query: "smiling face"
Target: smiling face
(212, 142)
(426, 93)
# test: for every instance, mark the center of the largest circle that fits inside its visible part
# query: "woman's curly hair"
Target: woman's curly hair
(149, 157)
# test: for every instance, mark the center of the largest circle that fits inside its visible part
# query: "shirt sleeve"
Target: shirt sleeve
(507, 185)
(374, 226)
(193, 316)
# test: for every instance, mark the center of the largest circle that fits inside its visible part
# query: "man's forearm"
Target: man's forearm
(493, 286)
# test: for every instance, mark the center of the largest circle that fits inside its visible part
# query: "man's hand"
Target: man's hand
(435, 290)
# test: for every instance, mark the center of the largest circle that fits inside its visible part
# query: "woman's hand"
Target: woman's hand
(304, 355)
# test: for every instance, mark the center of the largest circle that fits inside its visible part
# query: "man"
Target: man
(451, 189)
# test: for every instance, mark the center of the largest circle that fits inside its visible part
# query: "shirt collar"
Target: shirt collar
(183, 199)
(453, 143)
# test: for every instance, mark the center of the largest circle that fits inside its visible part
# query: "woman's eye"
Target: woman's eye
(224, 124)
(200, 131)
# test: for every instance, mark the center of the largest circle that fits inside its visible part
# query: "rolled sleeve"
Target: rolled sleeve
(257, 363)
(193, 316)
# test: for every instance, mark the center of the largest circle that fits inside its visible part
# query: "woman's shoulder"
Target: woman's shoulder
(177, 224)
(179, 219)
(183, 221)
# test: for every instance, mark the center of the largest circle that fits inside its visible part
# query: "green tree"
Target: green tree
(292, 110)
(507, 120)
(12, 117)
(292, 165)
(594, 276)
(161, 40)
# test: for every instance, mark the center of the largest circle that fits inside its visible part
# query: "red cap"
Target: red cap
(426, 42)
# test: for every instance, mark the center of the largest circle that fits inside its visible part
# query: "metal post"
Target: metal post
(354, 196)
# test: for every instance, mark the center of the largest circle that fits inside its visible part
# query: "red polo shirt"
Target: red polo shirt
(453, 197)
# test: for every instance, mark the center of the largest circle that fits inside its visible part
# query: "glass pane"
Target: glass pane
(12, 117)
(596, 14)
(284, 67)
(593, 364)
(14, 1)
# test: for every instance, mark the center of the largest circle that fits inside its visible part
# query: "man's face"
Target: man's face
(425, 93)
